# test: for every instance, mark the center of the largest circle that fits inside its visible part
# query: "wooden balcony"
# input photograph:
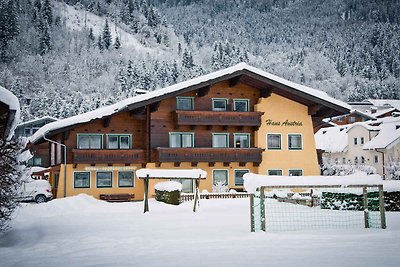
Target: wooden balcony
(211, 155)
(105, 156)
(219, 118)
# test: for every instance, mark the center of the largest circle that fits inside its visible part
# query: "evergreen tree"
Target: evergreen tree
(117, 43)
(107, 36)
(187, 60)
(9, 27)
(100, 43)
(47, 12)
(9, 180)
(44, 37)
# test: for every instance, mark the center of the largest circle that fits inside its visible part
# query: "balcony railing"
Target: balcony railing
(104, 156)
(211, 155)
(222, 118)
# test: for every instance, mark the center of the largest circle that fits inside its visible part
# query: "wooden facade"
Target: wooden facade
(148, 125)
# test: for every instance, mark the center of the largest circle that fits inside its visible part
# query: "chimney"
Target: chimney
(373, 110)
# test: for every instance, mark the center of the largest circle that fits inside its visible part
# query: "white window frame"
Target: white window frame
(185, 97)
(180, 133)
(227, 140)
(223, 99)
(270, 170)
(241, 99)
(227, 179)
(280, 143)
(97, 181)
(119, 141)
(234, 174)
(296, 134)
(234, 139)
(133, 180)
(355, 141)
(78, 135)
(302, 171)
(90, 180)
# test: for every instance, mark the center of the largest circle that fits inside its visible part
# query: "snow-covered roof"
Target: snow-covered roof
(357, 112)
(253, 181)
(37, 120)
(12, 102)
(381, 112)
(169, 173)
(140, 100)
(395, 103)
(333, 139)
(388, 136)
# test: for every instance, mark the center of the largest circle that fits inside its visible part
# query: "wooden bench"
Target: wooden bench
(117, 197)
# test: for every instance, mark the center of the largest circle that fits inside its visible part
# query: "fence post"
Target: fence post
(252, 225)
(262, 213)
(382, 207)
(365, 204)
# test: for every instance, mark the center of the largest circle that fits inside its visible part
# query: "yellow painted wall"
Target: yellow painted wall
(138, 188)
(280, 109)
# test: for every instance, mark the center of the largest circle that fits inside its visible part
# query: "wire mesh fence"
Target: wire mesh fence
(290, 208)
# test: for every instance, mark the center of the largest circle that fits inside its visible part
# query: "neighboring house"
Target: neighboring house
(353, 117)
(40, 152)
(373, 143)
(9, 113)
(228, 123)
(28, 128)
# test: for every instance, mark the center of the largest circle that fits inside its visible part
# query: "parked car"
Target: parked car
(35, 190)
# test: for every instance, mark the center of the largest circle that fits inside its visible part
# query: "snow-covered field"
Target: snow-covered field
(82, 231)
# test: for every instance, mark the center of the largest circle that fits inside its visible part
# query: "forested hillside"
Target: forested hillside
(66, 57)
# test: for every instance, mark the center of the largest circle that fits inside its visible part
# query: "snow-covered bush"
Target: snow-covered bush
(169, 192)
(393, 170)
(219, 187)
(9, 180)
(330, 168)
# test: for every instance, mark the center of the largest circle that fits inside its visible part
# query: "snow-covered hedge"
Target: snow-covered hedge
(168, 192)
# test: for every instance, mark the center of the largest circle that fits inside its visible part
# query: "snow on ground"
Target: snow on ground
(83, 231)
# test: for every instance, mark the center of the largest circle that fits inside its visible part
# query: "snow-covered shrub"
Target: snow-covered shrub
(169, 192)
(330, 168)
(393, 170)
(220, 187)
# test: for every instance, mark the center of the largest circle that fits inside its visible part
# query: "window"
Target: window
(242, 140)
(340, 119)
(219, 104)
(376, 159)
(275, 172)
(352, 119)
(125, 179)
(239, 176)
(181, 140)
(27, 131)
(241, 105)
(35, 161)
(295, 172)
(362, 140)
(295, 142)
(355, 140)
(220, 177)
(187, 185)
(119, 141)
(184, 103)
(90, 141)
(344, 160)
(273, 141)
(81, 179)
(362, 160)
(220, 140)
(104, 179)
(356, 160)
